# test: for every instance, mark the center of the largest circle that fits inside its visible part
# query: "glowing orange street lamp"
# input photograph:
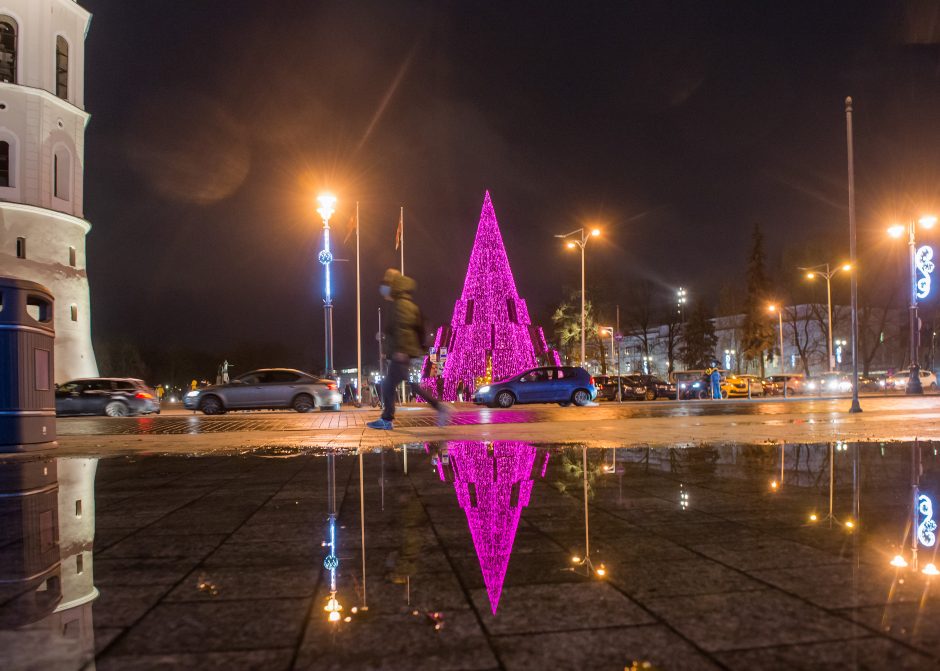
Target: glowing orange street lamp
(582, 243)
(827, 274)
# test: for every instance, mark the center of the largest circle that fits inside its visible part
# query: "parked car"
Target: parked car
(898, 381)
(830, 383)
(736, 386)
(795, 382)
(872, 382)
(111, 396)
(631, 389)
(564, 385)
(656, 387)
(265, 389)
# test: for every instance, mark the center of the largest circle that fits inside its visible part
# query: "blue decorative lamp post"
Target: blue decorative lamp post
(922, 264)
(327, 203)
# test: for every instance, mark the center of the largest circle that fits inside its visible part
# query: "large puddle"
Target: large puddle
(476, 556)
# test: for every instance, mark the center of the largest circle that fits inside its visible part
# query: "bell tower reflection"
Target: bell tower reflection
(494, 483)
(47, 528)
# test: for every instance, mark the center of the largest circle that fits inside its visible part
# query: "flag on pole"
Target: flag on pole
(399, 230)
(352, 228)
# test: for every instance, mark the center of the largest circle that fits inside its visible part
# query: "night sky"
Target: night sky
(675, 126)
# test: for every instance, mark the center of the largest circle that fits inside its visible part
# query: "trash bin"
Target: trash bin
(27, 392)
(30, 560)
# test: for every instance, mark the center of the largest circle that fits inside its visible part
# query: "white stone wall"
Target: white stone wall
(49, 237)
(39, 125)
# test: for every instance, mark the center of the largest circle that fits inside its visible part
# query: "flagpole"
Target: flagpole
(358, 321)
(401, 242)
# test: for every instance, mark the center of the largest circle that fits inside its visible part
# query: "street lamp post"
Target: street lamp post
(582, 243)
(920, 259)
(783, 361)
(827, 274)
(325, 257)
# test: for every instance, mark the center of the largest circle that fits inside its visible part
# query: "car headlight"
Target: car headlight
(696, 385)
(811, 385)
(483, 390)
(192, 394)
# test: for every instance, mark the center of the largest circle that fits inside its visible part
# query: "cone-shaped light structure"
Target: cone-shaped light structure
(490, 328)
(493, 484)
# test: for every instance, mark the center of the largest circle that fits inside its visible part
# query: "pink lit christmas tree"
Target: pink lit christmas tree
(490, 337)
(493, 485)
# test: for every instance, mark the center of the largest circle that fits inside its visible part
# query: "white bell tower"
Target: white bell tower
(42, 158)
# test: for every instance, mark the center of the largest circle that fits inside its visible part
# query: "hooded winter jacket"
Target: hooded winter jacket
(404, 331)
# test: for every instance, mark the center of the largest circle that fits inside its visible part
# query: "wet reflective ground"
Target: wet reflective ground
(176, 421)
(480, 556)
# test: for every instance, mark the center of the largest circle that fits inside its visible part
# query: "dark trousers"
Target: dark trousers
(398, 373)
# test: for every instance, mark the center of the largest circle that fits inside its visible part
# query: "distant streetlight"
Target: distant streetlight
(783, 361)
(327, 203)
(827, 274)
(920, 260)
(582, 243)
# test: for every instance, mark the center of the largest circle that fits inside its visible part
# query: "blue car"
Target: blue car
(564, 386)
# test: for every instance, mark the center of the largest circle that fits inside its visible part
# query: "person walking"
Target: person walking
(404, 337)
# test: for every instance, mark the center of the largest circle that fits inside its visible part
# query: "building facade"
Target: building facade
(42, 151)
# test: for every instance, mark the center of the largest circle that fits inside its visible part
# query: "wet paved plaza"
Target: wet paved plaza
(180, 421)
(501, 555)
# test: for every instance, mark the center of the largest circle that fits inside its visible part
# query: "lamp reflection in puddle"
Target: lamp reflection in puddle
(775, 485)
(600, 570)
(331, 561)
(493, 483)
(922, 526)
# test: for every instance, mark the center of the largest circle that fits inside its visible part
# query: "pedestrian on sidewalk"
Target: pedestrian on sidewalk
(404, 333)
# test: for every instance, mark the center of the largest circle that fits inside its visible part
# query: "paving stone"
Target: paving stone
(766, 553)
(403, 641)
(749, 619)
(249, 660)
(541, 608)
(169, 547)
(172, 628)
(124, 605)
(246, 582)
(917, 624)
(679, 578)
(872, 654)
(603, 648)
(843, 585)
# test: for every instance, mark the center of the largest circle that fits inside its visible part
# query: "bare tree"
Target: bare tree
(638, 315)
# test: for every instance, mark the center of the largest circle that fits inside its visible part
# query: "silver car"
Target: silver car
(264, 389)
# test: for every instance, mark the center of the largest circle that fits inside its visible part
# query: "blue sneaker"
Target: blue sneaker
(381, 425)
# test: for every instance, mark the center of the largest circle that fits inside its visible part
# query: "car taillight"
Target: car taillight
(592, 380)
(143, 394)
(331, 387)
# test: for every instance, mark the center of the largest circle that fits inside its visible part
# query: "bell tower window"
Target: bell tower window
(61, 174)
(62, 68)
(5, 164)
(7, 50)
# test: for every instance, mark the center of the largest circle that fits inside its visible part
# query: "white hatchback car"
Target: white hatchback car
(928, 380)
